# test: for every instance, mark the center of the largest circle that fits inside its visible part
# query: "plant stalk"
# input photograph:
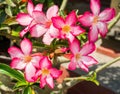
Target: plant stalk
(63, 5)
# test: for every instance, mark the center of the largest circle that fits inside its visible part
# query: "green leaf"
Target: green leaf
(20, 84)
(10, 3)
(8, 11)
(10, 21)
(27, 90)
(5, 69)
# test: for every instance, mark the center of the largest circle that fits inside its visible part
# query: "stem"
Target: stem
(106, 65)
(76, 78)
(63, 5)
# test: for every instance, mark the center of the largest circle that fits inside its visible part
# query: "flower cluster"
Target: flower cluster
(51, 25)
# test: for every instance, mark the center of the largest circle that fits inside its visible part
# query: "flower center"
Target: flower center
(27, 58)
(77, 56)
(48, 24)
(66, 29)
(95, 19)
(45, 71)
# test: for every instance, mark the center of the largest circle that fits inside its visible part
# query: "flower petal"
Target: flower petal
(30, 72)
(26, 46)
(73, 64)
(24, 19)
(42, 81)
(58, 22)
(17, 63)
(55, 73)
(70, 37)
(75, 46)
(15, 52)
(24, 31)
(49, 81)
(76, 30)
(30, 7)
(87, 48)
(86, 19)
(71, 19)
(38, 7)
(102, 27)
(52, 11)
(37, 30)
(95, 6)
(93, 33)
(107, 14)
(83, 66)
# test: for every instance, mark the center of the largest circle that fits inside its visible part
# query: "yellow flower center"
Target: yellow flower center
(77, 56)
(27, 58)
(66, 29)
(48, 24)
(45, 71)
(95, 19)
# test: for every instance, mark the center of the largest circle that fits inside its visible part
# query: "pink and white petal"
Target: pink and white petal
(55, 73)
(24, 31)
(39, 17)
(37, 30)
(15, 52)
(58, 22)
(70, 37)
(107, 14)
(38, 7)
(17, 63)
(86, 19)
(95, 7)
(47, 39)
(102, 28)
(37, 75)
(26, 46)
(76, 30)
(83, 66)
(88, 60)
(49, 81)
(42, 81)
(75, 46)
(30, 72)
(30, 7)
(93, 33)
(73, 64)
(45, 63)
(71, 19)
(87, 48)
(24, 19)
(52, 12)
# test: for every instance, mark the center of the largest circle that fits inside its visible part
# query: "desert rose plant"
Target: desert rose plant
(46, 34)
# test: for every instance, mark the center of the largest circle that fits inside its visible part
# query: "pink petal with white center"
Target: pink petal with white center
(73, 64)
(102, 28)
(83, 66)
(49, 81)
(38, 7)
(58, 22)
(75, 46)
(30, 7)
(42, 81)
(88, 60)
(93, 33)
(52, 11)
(17, 63)
(107, 14)
(47, 39)
(30, 72)
(55, 73)
(86, 19)
(87, 48)
(39, 17)
(37, 75)
(71, 19)
(24, 19)
(15, 52)
(26, 46)
(37, 30)
(70, 37)
(24, 31)
(95, 6)
(45, 63)
(76, 30)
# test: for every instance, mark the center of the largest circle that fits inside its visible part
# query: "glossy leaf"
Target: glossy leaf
(28, 90)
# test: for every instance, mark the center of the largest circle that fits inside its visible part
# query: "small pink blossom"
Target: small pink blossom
(23, 59)
(81, 56)
(27, 19)
(67, 27)
(97, 21)
(46, 73)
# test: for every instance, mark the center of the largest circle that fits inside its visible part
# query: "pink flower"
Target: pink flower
(67, 27)
(96, 20)
(47, 73)
(27, 19)
(46, 27)
(80, 56)
(22, 59)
